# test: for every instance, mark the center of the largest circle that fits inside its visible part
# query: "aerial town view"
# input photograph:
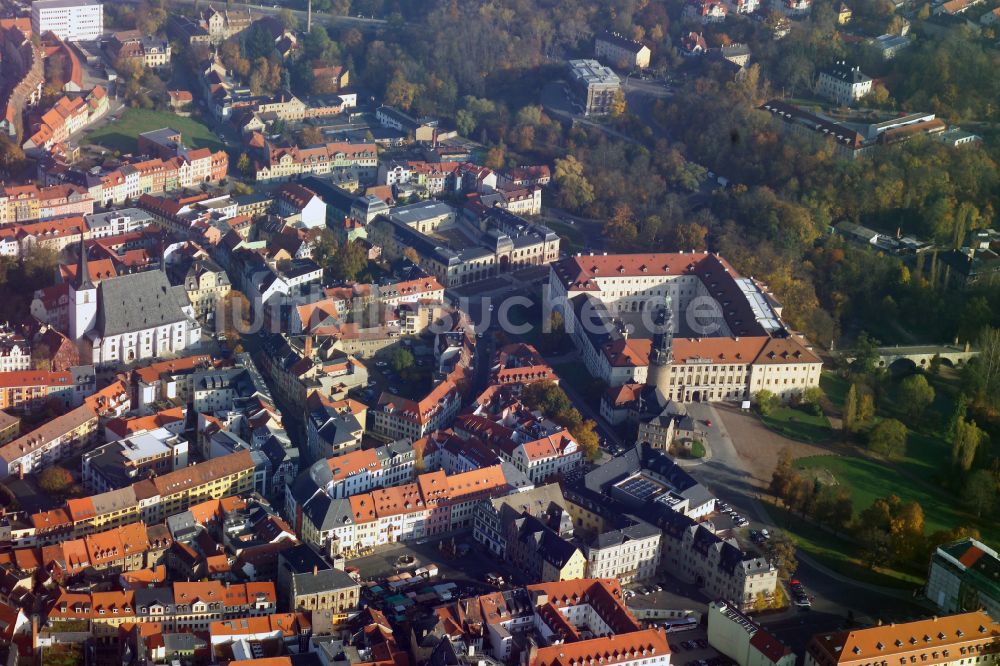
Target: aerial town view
(500, 333)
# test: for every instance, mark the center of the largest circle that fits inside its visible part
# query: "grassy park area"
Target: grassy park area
(798, 425)
(121, 134)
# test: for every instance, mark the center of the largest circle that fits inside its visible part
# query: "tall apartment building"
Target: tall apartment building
(964, 576)
(70, 20)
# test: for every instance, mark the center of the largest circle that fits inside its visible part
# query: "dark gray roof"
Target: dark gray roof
(328, 514)
(136, 302)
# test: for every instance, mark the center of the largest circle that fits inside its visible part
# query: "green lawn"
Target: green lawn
(571, 235)
(869, 479)
(834, 552)
(797, 424)
(122, 134)
(835, 387)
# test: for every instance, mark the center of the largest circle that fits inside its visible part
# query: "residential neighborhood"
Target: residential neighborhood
(371, 333)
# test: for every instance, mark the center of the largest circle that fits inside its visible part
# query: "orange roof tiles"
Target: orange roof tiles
(924, 639)
(618, 648)
(151, 373)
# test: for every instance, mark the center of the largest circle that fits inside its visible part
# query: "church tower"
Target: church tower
(82, 299)
(661, 355)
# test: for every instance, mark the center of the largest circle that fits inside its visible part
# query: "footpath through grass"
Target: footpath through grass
(122, 134)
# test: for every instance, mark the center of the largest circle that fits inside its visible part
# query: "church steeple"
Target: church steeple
(83, 298)
(83, 280)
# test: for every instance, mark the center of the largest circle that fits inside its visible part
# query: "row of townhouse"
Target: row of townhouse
(58, 233)
(157, 175)
(285, 163)
(111, 552)
(180, 606)
(32, 390)
(435, 503)
(28, 203)
(67, 117)
(55, 440)
(148, 500)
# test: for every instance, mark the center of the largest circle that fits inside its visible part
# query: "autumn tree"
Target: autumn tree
(350, 260)
(310, 136)
(495, 157)
(916, 394)
(780, 551)
(888, 439)
(55, 480)
(586, 437)
(243, 164)
(575, 191)
(688, 236)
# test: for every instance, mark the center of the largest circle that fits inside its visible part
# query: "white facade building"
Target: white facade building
(70, 20)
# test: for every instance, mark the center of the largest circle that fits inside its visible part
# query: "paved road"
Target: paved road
(834, 594)
(318, 17)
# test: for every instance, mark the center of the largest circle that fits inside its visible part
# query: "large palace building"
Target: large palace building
(686, 324)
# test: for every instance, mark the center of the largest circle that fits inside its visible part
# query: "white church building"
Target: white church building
(129, 318)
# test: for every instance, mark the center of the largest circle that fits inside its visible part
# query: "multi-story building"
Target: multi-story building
(133, 45)
(395, 417)
(491, 624)
(55, 440)
(596, 86)
(15, 355)
(190, 606)
(743, 640)
(70, 20)
(505, 241)
(207, 285)
(128, 548)
(629, 553)
(433, 504)
(308, 583)
(964, 576)
(939, 641)
(66, 117)
(489, 529)
(364, 470)
(843, 84)
(123, 462)
(740, 345)
(618, 50)
(149, 500)
(537, 447)
(31, 390)
(284, 163)
(542, 553)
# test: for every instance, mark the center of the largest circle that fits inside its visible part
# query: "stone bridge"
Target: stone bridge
(919, 355)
